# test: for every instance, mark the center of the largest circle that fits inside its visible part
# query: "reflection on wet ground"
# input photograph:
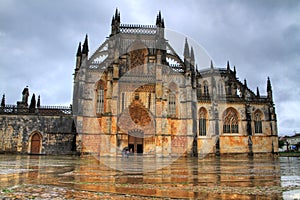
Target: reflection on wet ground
(87, 177)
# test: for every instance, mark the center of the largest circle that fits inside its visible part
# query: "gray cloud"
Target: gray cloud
(38, 42)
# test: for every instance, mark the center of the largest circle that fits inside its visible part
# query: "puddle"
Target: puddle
(221, 178)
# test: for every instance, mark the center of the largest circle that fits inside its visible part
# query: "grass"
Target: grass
(7, 191)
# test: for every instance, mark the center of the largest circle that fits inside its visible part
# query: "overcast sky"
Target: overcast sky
(39, 39)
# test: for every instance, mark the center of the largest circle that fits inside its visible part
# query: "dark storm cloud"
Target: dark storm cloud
(38, 42)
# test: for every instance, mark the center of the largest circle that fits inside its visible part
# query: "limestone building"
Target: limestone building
(136, 92)
(36, 129)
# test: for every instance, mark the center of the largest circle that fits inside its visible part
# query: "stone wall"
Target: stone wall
(53, 134)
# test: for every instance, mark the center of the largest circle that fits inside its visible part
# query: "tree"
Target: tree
(3, 101)
(32, 104)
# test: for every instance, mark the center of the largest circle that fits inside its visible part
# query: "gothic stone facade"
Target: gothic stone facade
(129, 93)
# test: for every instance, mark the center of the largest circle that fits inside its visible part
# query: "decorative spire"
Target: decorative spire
(269, 90)
(269, 86)
(117, 16)
(115, 23)
(163, 23)
(192, 55)
(113, 20)
(38, 102)
(186, 52)
(211, 64)
(3, 101)
(78, 54)
(85, 48)
(234, 70)
(257, 92)
(158, 19)
(245, 82)
(228, 66)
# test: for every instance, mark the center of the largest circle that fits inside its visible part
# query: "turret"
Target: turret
(269, 90)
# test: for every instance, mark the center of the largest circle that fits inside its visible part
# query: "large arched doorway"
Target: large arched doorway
(135, 144)
(36, 141)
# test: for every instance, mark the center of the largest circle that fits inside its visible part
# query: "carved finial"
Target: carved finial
(245, 82)
(234, 70)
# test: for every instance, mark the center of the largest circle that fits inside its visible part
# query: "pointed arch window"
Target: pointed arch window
(230, 121)
(199, 91)
(100, 98)
(205, 89)
(258, 122)
(172, 104)
(220, 88)
(202, 122)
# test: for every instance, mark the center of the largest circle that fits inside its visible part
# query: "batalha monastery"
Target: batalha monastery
(135, 92)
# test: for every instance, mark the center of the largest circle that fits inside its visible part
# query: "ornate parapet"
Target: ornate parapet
(22, 109)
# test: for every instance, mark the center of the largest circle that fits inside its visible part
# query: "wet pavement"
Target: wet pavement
(72, 177)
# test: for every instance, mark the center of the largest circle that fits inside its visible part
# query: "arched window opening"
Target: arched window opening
(230, 121)
(205, 89)
(202, 122)
(199, 91)
(100, 98)
(220, 88)
(172, 104)
(258, 122)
